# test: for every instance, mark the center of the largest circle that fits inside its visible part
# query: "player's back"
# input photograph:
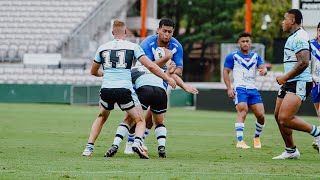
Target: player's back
(116, 58)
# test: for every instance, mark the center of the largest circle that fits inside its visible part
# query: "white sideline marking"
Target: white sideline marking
(176, 172)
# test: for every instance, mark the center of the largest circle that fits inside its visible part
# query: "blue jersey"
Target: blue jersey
(315, 57)
(244, 68)
(297, 41)
(116, 58)
(150, 44)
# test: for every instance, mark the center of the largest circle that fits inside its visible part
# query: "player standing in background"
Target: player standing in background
(296, 84)
(244, 64)
(116, 58)
(315, 58)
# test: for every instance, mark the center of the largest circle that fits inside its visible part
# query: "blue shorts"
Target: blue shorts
(249, 96)
(315, 93)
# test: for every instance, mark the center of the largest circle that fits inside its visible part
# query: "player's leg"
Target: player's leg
(95, 131)
(316, 101)
(291, 152)
(316, 141)
(121, 132)
(128, 148)
(256, 106)
(136, 114)
(160, 131)
(159, 107)
(149, 124)
(145, 96)
(241, 99)
(106, 105)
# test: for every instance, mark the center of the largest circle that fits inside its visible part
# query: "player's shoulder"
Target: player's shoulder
(301, 34)
(230, 55)
(150, 40)
(175, 42)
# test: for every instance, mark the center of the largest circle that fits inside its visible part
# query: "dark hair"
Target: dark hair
(166, 22)
(244, 34)
(318, 25)
(297, 15)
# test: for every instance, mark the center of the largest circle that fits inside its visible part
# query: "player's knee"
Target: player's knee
(138, 119)
(283, 120)
(103, 116)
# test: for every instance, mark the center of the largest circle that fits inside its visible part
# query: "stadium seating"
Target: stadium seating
(32, 26)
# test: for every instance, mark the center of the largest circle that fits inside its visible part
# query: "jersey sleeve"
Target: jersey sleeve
(147, 49)
(138, 51)
(178, 56)
(300, 44)
(97, 57)
(259, 61)
(229, 62)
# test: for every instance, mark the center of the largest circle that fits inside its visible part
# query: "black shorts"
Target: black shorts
(121, 96)
(300, 88)
(153, 96)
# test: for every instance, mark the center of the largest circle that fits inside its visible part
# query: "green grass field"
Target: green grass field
(43, 141)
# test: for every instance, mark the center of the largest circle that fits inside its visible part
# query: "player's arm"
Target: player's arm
(227, 81)
(303, 57)
(188, 88)
(95, 69)
(262, 69)
(178, 71)
(155, 69)
(163, 60)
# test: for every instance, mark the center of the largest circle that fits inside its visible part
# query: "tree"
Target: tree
(276, 9)
(200, 22)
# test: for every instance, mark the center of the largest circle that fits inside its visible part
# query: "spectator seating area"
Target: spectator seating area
(39, 26)
(18, 75)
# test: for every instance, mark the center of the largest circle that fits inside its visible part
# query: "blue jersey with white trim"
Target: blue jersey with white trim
(297, 41)
(315, 57)
(150, 44)
(116, 58)
(244, 68)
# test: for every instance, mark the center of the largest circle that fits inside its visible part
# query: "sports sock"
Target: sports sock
(161, 134)
(259, 128)
(122, 131)
(315, 131)
(146, 132)
(239, 130)
(138, 140)
(130, 138)
(291, 150)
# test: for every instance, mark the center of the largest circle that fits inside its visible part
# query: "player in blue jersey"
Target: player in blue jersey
(296, 84)
(151, 90)
(116, 58)
(244, 63)
(315, 59)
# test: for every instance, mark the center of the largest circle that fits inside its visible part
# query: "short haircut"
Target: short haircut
(318, 25)
(166, 22)
(244, 34)
(118, 23)
(297, 15)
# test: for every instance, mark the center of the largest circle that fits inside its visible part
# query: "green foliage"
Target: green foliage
(43, 141)
(276, 9)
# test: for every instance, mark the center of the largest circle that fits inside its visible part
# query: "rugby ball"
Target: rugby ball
(159, 53)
